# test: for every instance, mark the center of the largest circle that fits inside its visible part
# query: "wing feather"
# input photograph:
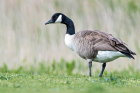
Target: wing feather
(94, 41)
(102, 41)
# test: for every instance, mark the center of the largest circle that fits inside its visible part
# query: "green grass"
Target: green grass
(73, 83)
(60, 77)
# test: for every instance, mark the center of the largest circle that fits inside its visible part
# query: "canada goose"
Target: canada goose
(91, 45)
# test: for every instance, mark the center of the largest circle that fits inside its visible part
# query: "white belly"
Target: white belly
(107, 56)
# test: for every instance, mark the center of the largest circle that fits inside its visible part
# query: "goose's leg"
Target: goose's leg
(103, 68)
(90, 65)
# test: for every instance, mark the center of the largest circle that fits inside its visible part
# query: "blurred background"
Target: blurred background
(26, 41)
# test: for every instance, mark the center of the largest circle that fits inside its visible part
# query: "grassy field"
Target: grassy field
(23, 83)
(48, 80)
(63, 78)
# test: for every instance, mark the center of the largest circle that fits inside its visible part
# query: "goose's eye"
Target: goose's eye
(54, 18)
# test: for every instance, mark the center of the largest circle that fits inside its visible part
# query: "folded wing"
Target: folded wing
(102, 41)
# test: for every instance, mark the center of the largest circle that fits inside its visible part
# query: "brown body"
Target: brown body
(87, 43)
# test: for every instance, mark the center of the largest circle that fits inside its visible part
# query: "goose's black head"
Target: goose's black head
(61, 18)
(57, 18)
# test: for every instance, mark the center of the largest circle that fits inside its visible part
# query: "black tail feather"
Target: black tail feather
(128, 53)
(133, 53)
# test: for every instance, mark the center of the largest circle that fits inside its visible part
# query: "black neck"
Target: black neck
(70, 26)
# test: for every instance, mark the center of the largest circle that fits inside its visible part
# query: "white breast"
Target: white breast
(107, 56)
(69, 41)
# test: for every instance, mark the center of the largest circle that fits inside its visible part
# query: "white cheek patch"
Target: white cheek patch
(59, 19)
